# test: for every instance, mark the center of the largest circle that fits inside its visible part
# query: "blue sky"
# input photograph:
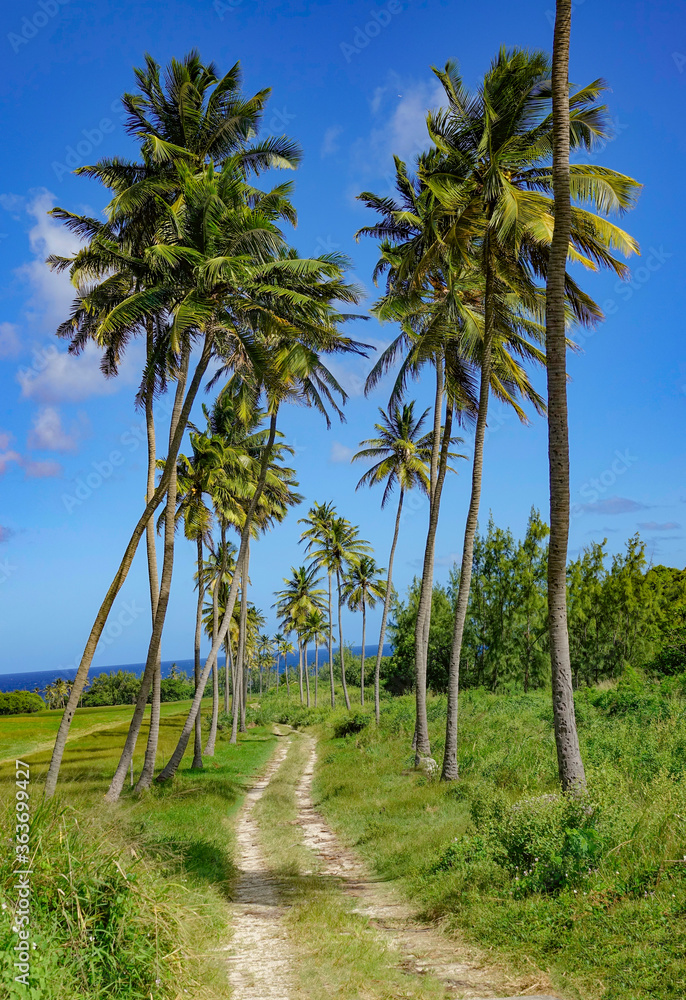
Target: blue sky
(352, 83)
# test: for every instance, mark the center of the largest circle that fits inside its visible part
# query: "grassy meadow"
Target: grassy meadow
(592, 892)
(128, 901)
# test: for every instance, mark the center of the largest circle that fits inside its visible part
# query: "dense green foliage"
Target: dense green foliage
(20, 702)
(618, 615)
(121, 688)
(591, 889)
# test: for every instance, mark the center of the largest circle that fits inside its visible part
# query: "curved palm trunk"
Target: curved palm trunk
(240, 656)
(117, 783)
(212, 739)
(340, 641)
(243, 626)
(331, 677)
(422, 745)
(570, 764)
(177, 755)
(197, 746)
(307, 673)
(179, 421)
(450, 769)
(278, 664)
(288, 683)
(230, 672)
(364, 632)
(386, 606)
(148, 772)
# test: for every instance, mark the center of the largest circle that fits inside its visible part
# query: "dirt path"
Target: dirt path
(421, 948)
(258, 962)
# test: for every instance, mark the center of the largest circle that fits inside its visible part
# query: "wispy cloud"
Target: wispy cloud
(654, 526)
(48, 433)
(613, 505)
(329, 143)
(10, 345)
(41, 470)
(5, 533)
(340, 453)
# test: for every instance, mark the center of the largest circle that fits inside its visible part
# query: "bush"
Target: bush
(353, 723)
(20, 702)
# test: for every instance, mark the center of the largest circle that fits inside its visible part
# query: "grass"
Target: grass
(25, 734)
(130, 901)
(338, 955)
(594, 894)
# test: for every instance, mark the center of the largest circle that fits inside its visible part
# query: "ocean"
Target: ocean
(30, 680)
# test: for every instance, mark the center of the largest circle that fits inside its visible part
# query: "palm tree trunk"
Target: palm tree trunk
(240, 657)
(230, 671)
(364, 632)
(212, 739)
(570, 764)
(450, 769)
(288, 683)
(300, 669)
(117, 783)
(384, 616)
(197, 746)
(177, 755)
(340, 641)
(331, 677)
(307, 673)
(316, 669)
(148, 772)
(243, 626)
(278, 664)
(179, 421)
(421, 745)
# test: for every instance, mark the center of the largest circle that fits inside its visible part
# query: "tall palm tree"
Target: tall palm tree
(400, 455)
(363, 586)
(277, 643)
(298, 599)
(319, 521)
(316, 628)
(491, 177)
(570, 764)
(219, 113)
(346, 550)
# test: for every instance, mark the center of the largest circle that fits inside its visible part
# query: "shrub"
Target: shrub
(351, 724)
(20, 702)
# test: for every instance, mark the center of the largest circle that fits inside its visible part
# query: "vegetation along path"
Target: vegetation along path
(269, 895)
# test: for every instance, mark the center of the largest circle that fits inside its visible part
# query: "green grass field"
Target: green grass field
(129, 901)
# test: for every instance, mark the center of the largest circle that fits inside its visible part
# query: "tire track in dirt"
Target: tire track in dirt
(258, 958)
(420, 947)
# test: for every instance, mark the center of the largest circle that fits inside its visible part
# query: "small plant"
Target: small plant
(351, 724)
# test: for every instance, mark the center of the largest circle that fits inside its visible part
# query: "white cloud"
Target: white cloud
(329, 144)
(6, 457)
(340, 452)
(41, 470)
(48, 434)
(10, 345)
(5, 438)
(400, 108)
(69, 378)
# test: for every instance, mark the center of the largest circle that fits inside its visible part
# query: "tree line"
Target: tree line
(193, 259)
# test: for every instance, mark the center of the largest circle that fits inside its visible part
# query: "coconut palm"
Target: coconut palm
(277, 643)
(298, 599)
(345, 550)
(233, 126)
(401, 456)
(492, 178)
(319, 521)
(363, 586)
(316, 629)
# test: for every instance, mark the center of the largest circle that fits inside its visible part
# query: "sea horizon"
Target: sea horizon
(29, 680)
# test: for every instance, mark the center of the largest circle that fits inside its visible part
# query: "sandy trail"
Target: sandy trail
(258, 955)
(421, 948)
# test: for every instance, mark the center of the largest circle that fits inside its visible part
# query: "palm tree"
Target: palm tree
(223, 123)
(319, 521)
(346, 550)
(299, 598)
(264, 651)
(400, 459)
(277, 643)
(362, 588)
(570, 763)
(490, 176)
(316, 629)
(287, 649)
